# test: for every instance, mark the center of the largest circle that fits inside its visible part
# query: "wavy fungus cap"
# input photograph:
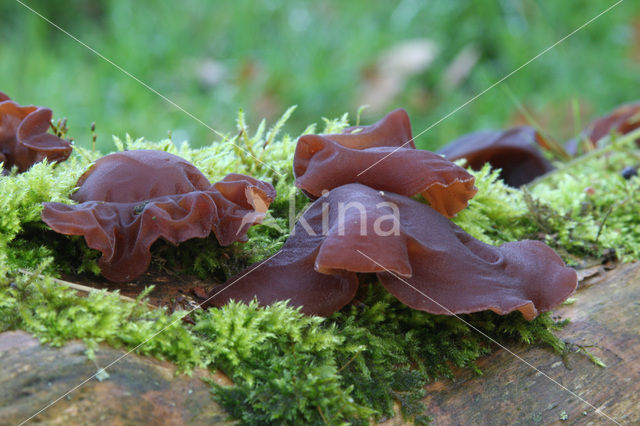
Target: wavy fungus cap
(24, 140)
(381, 156)
(421, 257)
(514, 151)
(624, 119)
(128, 200)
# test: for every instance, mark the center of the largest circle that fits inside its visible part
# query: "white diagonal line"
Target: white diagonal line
(124, 71)
(597, 410)
(127, 73)
(494, 84)
(144, 342)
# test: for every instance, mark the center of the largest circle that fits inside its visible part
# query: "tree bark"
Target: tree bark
(606, 314)
(551, 390)
(138, 390)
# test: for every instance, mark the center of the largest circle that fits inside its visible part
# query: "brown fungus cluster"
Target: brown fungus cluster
(428, 262)
(384, 157)
(514, 151)
(517, 151)
(362, 221)
(24, 140)
(360, 225)
(624, 119)
(128, 200)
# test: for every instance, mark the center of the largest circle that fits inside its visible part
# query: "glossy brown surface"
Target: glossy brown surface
(381, 156)
(130, 199)
(515, 151)
(291, 274)
(24, 140)
(455, 273)
(394, 129)
(421, 257)
(623, 119)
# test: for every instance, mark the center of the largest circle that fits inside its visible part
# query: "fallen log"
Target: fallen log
(605, 320)
(135, 390)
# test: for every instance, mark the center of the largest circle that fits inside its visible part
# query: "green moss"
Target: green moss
(584, 209)
(283, 365)
(20, 208)
(587, 208)
(287, 367)
(56, 314)
(497, 213)
(405, 349)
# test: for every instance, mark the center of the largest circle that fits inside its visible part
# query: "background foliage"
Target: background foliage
(213, 57)
(263, 56)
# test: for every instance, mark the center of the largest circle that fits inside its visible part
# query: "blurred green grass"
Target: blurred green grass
(265, 55)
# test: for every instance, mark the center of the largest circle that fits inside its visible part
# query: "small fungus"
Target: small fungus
(515, 152)
(624, 119)
(24, 140)
(381, 156)
(128, 200)
(420, 256)
(621, 120)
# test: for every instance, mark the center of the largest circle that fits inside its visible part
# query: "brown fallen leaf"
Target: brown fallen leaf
(199, 292)
(387, 77)
(460, 67)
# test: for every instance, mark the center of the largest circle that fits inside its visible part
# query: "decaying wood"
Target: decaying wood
(605, 319)
(606, 314)
(172, 290)
(138, 390)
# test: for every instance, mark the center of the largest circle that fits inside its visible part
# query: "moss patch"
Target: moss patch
(585, 209)
(287, 367)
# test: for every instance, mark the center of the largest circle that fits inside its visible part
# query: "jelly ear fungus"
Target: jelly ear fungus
(420, 257)
(24, 140)
(514, 151)
(127, 200)
(381, 156)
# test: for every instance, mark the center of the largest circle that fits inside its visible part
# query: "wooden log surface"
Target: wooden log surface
(606, 314)
(138, 390)
(141, 390)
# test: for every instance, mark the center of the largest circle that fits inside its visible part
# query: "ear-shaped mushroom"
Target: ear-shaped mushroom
(290, 275)
(394, 129)
(315, 268)
(381, 156)
(515, 152)
(460, 274)
(624, 119)
(24, 140)
(130, 199)
(421, 257)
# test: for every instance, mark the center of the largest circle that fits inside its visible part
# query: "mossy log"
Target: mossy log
(138, 390)
(605, 320)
